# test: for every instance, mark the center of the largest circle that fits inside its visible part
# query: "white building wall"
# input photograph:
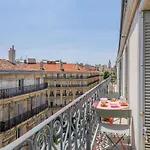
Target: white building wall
(41, 80)
(8, 82)
(133, 80)
(12, 81)
(29, 80)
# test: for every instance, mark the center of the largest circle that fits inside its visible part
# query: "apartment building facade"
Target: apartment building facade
(23, 98)
(30, 92)
(67, 81)
(133, 67)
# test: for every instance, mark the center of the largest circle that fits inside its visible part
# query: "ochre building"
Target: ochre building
(32, 91)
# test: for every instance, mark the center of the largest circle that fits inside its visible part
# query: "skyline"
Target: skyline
(72, 31)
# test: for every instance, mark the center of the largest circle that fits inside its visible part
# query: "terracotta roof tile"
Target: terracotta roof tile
(6, 65)
(56, 67)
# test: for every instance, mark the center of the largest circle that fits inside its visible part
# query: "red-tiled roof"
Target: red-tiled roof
(6, 65)
(56, 67)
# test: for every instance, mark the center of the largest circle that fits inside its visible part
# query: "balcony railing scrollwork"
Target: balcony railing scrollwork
(70, 128)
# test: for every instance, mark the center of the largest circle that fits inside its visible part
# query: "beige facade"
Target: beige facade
(30, 92)
(64, 87)
(23, 103)
(29, 97)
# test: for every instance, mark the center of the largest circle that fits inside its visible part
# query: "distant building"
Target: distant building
(109, 64)
(31, 91)
(23, 98)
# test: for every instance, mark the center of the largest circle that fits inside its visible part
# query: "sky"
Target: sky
(83, 31)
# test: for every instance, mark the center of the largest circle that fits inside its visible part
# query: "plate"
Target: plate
(115, 106)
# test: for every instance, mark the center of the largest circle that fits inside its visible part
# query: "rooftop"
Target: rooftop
(6, 65)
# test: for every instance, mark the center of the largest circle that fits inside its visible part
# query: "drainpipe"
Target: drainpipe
(141, 81)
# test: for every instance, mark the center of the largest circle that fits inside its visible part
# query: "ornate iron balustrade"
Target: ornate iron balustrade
(74, 85)
(70, 128)
(6, 125)
(72, 77)
(10, 92)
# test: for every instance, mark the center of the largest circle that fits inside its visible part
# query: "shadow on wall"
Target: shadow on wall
(133, 136)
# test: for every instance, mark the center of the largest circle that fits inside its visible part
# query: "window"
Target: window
(18, 133)
(64, 93)
(37, 81)
(51, 93)
(64, 84)
(80, 83)
(77, 76)
(51, 76)
(70, 75)
(81, 76)
(58, 102)
(58, 93)
(58, 75)
(70, 93)
(58, 84)
(64, 76)
(51, 104)
(51, 84)
(20, 108)
(21, 84)
(65, 103)
(77, 92)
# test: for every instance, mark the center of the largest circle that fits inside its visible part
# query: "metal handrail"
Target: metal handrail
(10, 92)
(72, 120)
(8, 124)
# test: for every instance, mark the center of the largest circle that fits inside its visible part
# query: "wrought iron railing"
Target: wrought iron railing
(10, 92)
(72, 77)
(6, 125)
(71, 128)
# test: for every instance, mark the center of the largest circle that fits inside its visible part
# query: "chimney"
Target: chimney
(41, 65)
(61, 66)
(87, 67)
(77, 65)
(12, 55)
(25, 61)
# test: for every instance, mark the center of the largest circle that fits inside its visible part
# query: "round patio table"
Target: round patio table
(97, 105)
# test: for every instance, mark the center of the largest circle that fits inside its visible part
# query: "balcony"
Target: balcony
(58, 95)
(6, 125)
(70, 94)
(64, 85)
(52, 85)
(51, 95)
(58, 106)
(58, 85)
(11, 92)
(71, 128)
(72, 77)
(64, 94)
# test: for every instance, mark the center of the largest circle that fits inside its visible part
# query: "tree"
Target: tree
(106, 74)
